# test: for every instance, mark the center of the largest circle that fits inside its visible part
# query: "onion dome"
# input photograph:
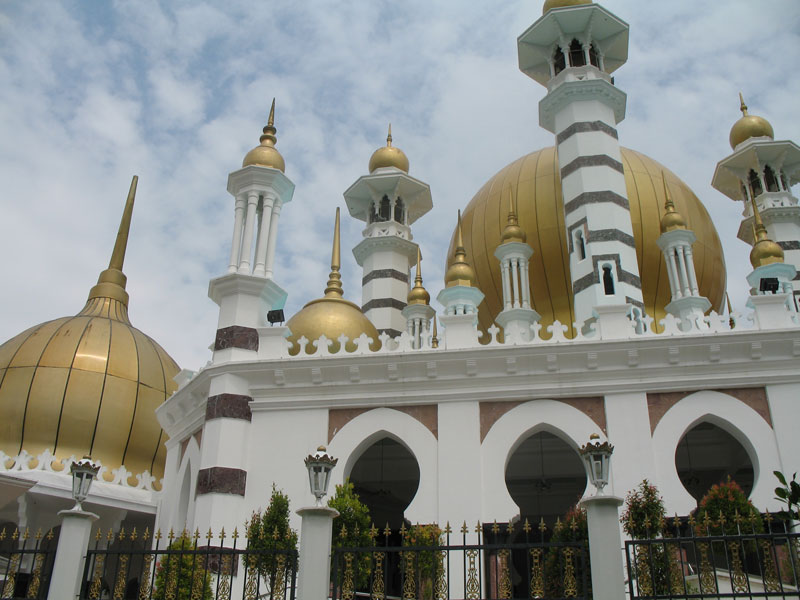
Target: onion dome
(749, 126)
(536, 181)
(562, 3)
(88, 384)
(459, 272)
(265, 154)
(672, 219)
(512, 232)
(388, 156)
(418, 294)
(765, 251)
(331, 315)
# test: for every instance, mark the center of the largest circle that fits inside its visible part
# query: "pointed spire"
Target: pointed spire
(765, 251)
(389, 136)
(672, 219)
(265, 154)
(268, 138)
(512, 231)
(118, 255)
(460, 271)
(418, 294)
(742, 105)
(335, 279)
(731, 320)
(435, 336)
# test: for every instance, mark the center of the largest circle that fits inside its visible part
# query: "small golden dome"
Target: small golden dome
(265, 154)
(331, 315)
(749, 126)
(562, 3)
(460, 272)
(418, 294)
(672, 219)
(88, 384)
(765, 251)
(512, 231)
(388, 156)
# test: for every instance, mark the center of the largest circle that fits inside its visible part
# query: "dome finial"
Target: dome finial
(460, 271)
(418, 294)
(765, 251)
(749, 126)
(435, 334)
(742, 105)
(672, 219)
(271, 118)
(335, 279)
(389, 137)
(512, 232)
(111, 283)
(388, 156)
(265, 154)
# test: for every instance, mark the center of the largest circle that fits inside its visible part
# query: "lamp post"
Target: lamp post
(83, 473)
(319, 467)
(597, 458)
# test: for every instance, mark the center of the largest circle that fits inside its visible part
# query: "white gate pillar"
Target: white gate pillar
(605, 547)
(314, 574)
(73, 543)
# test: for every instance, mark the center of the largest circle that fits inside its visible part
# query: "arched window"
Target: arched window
(580, 244)
(755, 183)
(372, 214)
(784, 182)
(559, 62)
(385, 213)
(576, 56)
(594, 58)
(770, 179)
(399, 210)
(608, 280)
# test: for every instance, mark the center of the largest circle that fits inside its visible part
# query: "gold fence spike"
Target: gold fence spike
(171, 534)
(526, 526)
(573, 525)
(767, 517)
(495, 527)
(722, 520)
(121, 533)
(209, 535)
(373, 532)
(27, 534)
(403, 529)
(157, 536)
(221, 534)
(676, 522)
(146, 535)
(196, 535)
(38, 535)
(15, 535)
(3, 534)
(343, 531)
(97, 535)
(110, 536)
(184, 533)
(464, 528)
(542, 526)
(478, 527)
(387, 531)
(737, 518)
(133, 535)
(235, 534)
(275, 533)
(50, 534)
(356, 531)
(510, 526)
(447, 529)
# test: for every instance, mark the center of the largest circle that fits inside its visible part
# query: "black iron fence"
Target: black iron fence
(714, 559)
(26, 563)
(129, 565)
(486, 561)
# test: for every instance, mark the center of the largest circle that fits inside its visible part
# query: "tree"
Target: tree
(789, 495)
(274, 543)
(181, 574)
(725, 509)
(351, 529)
(644, 516)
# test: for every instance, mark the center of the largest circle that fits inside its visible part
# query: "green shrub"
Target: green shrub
(351, 529)
(720, 509)
(644, 516)
(573, 528)
(182, 575)
(270, 532)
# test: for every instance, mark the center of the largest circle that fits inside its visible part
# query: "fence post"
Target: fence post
(314, 576)
(73, 544)
(605, 547)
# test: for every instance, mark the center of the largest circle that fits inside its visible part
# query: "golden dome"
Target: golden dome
(418, 294)
(388, 156)
(672, 219)
(331, 315)
(88, 384)
(765, 251)
(562, 3)
(460, 272)
(536, 184)
(749, 126)
(265, 154)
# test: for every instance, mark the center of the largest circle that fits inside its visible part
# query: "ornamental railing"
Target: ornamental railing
(737, 559)
(26, 562)
(485, 561)
(131, 565)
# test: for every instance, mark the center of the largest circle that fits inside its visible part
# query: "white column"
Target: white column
(672, 267)
(526, 285)
(670, 274)
(506, 284)
(605, 547)
(687, 286)
(515, 273)
(692, 273)
(73, 542)
(236, 245)
(314, 574)
(249, 229)
(263, 234)
(273, 237)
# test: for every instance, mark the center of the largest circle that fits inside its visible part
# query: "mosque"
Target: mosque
(584, 294)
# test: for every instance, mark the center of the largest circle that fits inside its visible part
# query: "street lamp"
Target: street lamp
(319, 467)
(597, 458)
(83, 473)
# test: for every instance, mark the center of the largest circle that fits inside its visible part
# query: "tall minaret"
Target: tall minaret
(247, 292)
(760, 173)
(572, 49)
(676, 242)
(418, 312)
(388, 200)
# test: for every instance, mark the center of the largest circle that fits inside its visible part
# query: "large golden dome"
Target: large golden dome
(88, 384)
(536, 184)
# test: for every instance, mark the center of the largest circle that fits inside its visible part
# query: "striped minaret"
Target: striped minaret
(569, 52)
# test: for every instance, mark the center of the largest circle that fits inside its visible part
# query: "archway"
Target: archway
(707, 454)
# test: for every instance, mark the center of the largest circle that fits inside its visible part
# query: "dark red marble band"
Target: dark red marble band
(221, 480)
(236, 336)
(229, 406)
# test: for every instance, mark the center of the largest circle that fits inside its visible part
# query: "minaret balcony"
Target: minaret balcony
(582, 73)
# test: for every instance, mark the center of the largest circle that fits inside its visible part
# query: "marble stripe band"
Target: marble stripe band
(594, 160)
(595, 198)
(789, 245)
(221, 480)
(236, 336)
(608, 235)
(229, 406)
(383, 303)
(384, 274)
(585, 126)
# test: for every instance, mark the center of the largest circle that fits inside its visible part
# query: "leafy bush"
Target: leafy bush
(425, 561)
(718, 509)
(182, 575)
(788, 494)
(644, 516)
(351, 529)
(270, 532)
(573, 528)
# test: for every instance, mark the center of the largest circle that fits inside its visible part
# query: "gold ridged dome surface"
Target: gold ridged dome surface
(749, 126)
(536, 184)
(265, 154)
(331, 315)
(88, 384)
(562, 3)
(388, 156)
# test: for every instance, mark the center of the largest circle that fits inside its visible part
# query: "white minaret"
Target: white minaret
(419, 312)
(572, 49)
(514, 255)
(388, 200)
(676, 242)
(760, 173)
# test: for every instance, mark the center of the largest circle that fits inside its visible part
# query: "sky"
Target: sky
(93, 92)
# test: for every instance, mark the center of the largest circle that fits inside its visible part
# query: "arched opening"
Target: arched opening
(608, 280)
(580, 244)
(784, 181)
(755, 183)
(385, 212)
(545, 477)
(386, 478)
(372, 215)
(770, 180)
(577, 58)
(594, 57)
(399, 210)
(559, 62)
(707, 454)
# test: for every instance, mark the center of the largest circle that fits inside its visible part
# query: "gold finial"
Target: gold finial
(512, 232)
(418, 294)
(672, 219)
(460, 271)
(765, 251)
(265, 154)
(435, 336)
(728, 303)
(749, 126)
(271, 118)
(389, 136)
(111, 283)
(388, 156)
(335, 279)
(742, 105)
(268, 138)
